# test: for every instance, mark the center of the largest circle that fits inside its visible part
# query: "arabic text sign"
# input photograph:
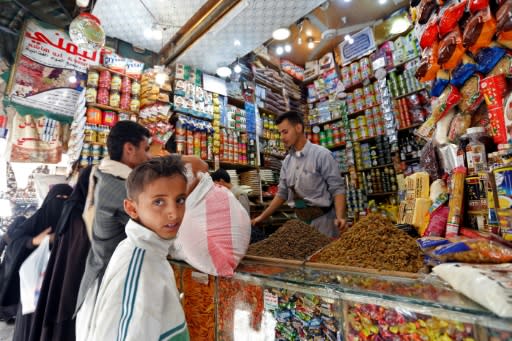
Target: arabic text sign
(50, 70)
(53, 47)
(363, 44)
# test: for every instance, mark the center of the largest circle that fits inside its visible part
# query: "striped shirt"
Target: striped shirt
(138, 298)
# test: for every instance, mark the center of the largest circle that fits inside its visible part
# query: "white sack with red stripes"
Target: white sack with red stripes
(215, 231)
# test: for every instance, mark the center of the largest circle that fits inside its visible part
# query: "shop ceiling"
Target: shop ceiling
(203, 32)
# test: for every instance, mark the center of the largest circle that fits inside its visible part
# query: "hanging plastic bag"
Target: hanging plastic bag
(31, 276)
(215, 230)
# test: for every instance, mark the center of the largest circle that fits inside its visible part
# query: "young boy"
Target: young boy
(138, 299)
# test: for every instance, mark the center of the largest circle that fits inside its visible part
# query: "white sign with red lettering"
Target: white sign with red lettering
(50, 70)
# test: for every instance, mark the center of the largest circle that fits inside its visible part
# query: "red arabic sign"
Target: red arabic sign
(50, 70)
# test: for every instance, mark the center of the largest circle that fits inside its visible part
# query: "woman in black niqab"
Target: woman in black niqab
(53, 318)
(25, 238)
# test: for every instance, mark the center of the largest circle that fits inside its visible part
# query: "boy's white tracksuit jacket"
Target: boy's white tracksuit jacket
(138, 298)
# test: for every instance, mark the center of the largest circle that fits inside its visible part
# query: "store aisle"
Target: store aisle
(6, 331)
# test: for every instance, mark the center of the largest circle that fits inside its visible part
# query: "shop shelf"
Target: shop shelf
(109, 108)
(277, 156)
(266, 111)
(327, 122)
(365, 82)
(267, 63)
(229, 165)
(237, 102)
(270, 86)
(375, 167)
(102, 68)
(414, 126)
(337, 147)
(382, 194)
(409, 93)
(359, 112)
(416, 159)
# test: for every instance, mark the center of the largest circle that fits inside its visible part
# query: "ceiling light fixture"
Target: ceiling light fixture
(223, 71)
(288, 48)
(279, 50)
(237, 42)
(348, 0)
(237, 68)
(399, 25)
(311, 43)
(382, 2)
(299, 41)
(309, 33)
(281, 33)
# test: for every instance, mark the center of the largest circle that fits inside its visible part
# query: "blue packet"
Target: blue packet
(488, 57)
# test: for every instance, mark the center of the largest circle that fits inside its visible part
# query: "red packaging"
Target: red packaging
(450, 17)
(478, 5)
(479, 31)
(93, 115)
(451, 50)
(126, 85)
(109, 118)
(125, 101)
(105, 79)
(437, 224)
(103, 96)
(430, 33)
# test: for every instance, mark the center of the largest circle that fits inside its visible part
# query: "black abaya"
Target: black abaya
(53, 318)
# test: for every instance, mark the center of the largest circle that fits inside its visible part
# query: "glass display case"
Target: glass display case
(276, 301)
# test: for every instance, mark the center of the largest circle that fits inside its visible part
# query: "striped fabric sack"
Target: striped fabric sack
(215, 231)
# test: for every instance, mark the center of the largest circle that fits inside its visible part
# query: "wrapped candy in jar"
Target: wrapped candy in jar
(135, 88)
(102, 96)
(134, 104)
(93, 116)
(126, 85)
(114, 99)
(115, 83)
(105, 79)
(93, 78)
(125, 101)
(90, 95)
(109, 118)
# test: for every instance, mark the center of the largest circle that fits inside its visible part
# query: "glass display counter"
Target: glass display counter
(273, 301)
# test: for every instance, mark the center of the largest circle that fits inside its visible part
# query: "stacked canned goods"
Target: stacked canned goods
(356, 72)
(403, 83)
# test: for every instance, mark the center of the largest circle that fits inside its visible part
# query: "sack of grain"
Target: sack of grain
(215, 231)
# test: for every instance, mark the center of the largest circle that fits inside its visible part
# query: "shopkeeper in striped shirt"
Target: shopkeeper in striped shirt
(310, 180)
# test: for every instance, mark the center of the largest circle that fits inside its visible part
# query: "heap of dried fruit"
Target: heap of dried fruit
(293, 240)
(374, 242)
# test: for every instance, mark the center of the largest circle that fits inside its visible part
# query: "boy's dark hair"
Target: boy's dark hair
(149, 171)
(123, 132)
(294, 117)
(221, 174)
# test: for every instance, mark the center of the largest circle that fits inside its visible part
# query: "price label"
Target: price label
(270, 300)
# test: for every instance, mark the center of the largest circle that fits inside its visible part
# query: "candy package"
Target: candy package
(451, 50)
(504, 17)
(471, 94)
(493, 89)
(479, 31)
(458, 127)
(455, 204)
(425, 10)
(461, 73)
(428, 160)
(429, 33)
(444, 103)
(505, 39)
(429, 243)
(441, 82)
(428, 66)
(477, 5)
(488, 57)
(437, 222)
(474, 251)
(450, 16)
(488, 285)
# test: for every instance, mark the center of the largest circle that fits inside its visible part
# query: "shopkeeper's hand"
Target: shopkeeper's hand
(37, 240)
(256, 221)
(341, 223)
